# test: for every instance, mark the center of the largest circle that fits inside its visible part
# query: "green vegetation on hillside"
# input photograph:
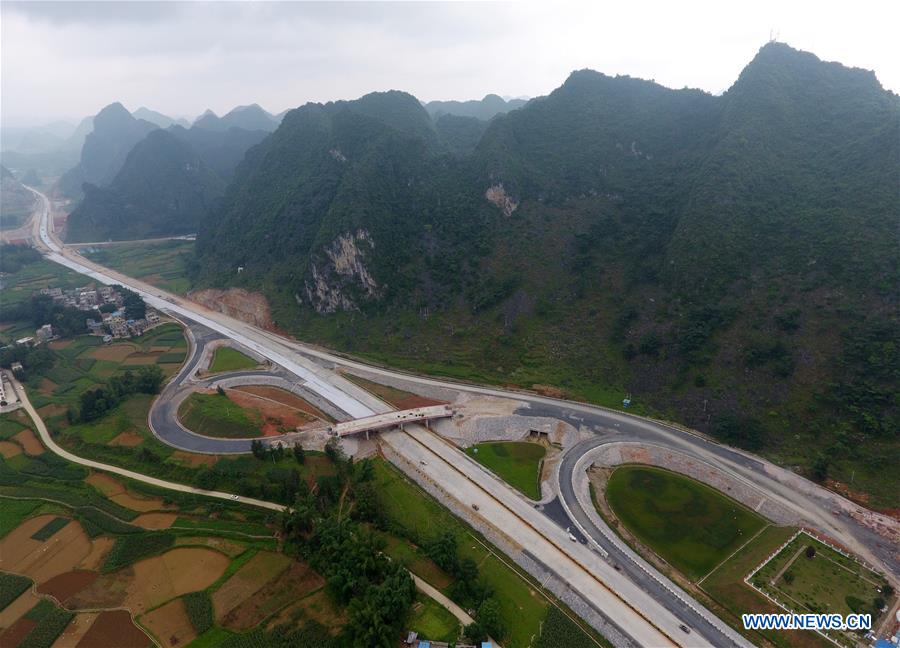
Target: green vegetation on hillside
(690, 525)
(228, 359)
(518, 463)
(728, 261)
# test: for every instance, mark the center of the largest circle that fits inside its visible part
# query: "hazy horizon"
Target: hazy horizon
(65, 61)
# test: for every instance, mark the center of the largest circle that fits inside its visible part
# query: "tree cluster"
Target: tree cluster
(324, 527)
(41, 309)
(96, 402)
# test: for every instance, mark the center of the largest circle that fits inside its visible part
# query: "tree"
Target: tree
(219, 390)
(277, 451)
(491, 619)
(820, 468)
(257, 448)
(810, 551)
(334, 451)
(475, 632)
(299, 454)
(443, 551)
(135, 308)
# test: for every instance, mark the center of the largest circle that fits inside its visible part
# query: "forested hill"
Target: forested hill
(115, 132)
(728, 261)
(484, 109)
(169, 181)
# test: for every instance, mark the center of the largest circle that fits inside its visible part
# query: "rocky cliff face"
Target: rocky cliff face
(497, 196)
(340, 280)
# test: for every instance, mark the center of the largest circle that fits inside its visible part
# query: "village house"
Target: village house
(44, 334)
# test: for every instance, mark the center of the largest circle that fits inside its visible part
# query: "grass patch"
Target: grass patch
(690, 525)
(386, 393)
(432, 621)
(49, 530)
(228, 359)
(559, 631)
(216, 416)
(725, 585)
(212, 638)
(826, 583)
(518, 463)
(415, 560)
(13, 512)
(412, 513)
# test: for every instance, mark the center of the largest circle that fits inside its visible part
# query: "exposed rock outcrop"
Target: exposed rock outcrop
(497, 195)
(339, 280)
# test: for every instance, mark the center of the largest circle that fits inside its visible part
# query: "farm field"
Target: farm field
(688, 524)
(19, 286)
(518, 463)
(160, 263)
(76, 541)
(227, 359)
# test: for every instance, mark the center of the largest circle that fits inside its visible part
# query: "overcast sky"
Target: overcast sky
(66, 60)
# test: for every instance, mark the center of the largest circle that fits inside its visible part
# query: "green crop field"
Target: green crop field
(160, 263)
(516, 462)
(214, 415)
(50, 529)
(228, 359)
(690, 525)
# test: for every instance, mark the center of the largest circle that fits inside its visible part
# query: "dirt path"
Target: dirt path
(790, 562)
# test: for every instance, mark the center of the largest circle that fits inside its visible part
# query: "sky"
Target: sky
(65, 60)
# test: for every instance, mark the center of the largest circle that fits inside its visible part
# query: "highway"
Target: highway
(660, 614)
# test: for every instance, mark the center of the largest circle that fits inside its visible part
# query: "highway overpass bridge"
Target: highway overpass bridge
(389, 420)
